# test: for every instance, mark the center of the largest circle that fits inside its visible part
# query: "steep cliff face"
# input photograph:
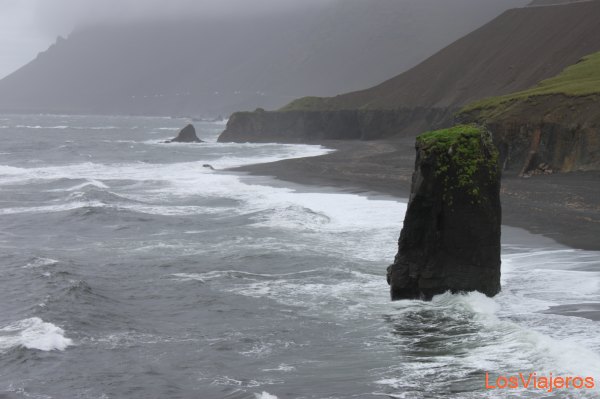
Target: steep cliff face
(545, 134)
(307, 126)
(451, 235)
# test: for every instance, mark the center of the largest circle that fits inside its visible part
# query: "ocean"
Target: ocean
(128, 269)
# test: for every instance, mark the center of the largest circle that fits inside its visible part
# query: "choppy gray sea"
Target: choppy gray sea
(128, 270)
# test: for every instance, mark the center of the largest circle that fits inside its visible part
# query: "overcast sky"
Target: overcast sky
(30, 26)
(20, 39)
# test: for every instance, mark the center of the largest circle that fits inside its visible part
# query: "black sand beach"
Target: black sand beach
(564, 206)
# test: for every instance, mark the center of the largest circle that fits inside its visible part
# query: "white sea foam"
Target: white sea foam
(11, 170)
(182, 210)
(234, 274)
(146, 209)
(309, 289)
(259, 350)
(88, 183)
(264, 395)
(127, 339)
(96, 127)
(61, 127)
(184, 176)
(229, 381)
(40, 262)
(369, 227)
(489, 341)
(285, 368)
(33, 333)
(69, 206)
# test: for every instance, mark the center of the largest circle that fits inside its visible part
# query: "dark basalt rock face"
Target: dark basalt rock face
(186, 135)
(554, 133)
(312, 126)
(451, 235)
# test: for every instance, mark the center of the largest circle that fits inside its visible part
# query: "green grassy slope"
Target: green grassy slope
(580, 79)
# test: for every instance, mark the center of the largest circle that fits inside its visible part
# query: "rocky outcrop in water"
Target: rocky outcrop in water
(186, 135)
(451, 235)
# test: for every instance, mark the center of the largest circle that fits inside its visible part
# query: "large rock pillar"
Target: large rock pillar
(451, 235)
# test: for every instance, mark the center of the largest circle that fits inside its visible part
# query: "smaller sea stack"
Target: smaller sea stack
(451, 235)
(186, 135)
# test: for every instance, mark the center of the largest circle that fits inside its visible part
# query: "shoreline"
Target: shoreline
(564, 207)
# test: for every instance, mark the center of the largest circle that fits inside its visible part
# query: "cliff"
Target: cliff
(214, 65)
(511, 53)
(552, 127)
(308, 126)
(451, 235)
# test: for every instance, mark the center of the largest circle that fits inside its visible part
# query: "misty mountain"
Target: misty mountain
(211, 66)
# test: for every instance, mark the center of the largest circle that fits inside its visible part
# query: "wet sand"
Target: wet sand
(586, 310)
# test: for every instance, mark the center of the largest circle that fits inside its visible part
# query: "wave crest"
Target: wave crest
(34, 333)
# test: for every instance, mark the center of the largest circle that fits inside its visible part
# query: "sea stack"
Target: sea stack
(451, 235)
(186, 135)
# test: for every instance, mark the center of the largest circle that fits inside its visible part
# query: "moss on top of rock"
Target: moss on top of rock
(442, 140)
(460, 152)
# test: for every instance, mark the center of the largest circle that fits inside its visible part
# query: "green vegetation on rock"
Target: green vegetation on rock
(460, 152)
(580, 79)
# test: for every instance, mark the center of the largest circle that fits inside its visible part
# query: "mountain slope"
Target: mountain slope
(511, 53)
(216, 66)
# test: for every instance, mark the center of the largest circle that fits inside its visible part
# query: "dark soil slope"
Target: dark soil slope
(542, 3)
(514, 52)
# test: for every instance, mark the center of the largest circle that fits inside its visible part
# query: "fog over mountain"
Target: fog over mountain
(57, 15)
(214, 57)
